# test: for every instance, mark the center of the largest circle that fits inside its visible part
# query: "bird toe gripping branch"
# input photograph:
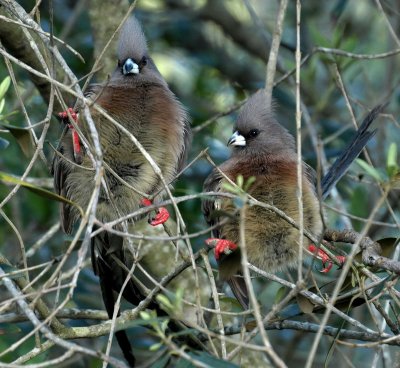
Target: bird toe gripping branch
(76, 144)
(325, 259)
(161, 216)
(221, 246)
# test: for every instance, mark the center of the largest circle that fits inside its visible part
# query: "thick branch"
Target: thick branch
(371, 251)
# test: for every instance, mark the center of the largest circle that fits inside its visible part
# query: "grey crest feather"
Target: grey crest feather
(256, 114)
(256, 109)
(132, 41)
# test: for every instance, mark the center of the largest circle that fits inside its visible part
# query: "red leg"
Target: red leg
(75, 137)
(221, 246)
(161, 216)
(76, 142)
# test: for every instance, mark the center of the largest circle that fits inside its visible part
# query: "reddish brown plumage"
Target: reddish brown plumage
(272, 243)
(264, 150)
(139, 100)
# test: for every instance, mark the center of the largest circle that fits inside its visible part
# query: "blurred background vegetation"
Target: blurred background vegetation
(213, 55)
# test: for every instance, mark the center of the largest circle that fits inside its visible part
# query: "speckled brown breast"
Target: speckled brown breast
(272, 243)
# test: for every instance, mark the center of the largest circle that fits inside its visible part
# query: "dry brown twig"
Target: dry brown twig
(370, 251)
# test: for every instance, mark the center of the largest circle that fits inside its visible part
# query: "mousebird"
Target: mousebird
(139, 99)
(265, 151)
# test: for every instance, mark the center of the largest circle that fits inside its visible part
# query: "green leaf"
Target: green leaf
(234, 304)
(359, 206)
(155, 347)
(4, 85)
(239, 181)
(282, 291)
(23, 136)
(318, 37)
(164, 301)
(164, 325)
(337, 37)
(179, 299)
(354, 280)
(10, 179)
(229, 187)
(186, 332)
(2, 103)
(145, 315)
(391, 164)
(306, 306)
(248, 183)
(371, 171)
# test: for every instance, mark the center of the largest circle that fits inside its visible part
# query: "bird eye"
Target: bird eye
(143, 62)
(254, 133)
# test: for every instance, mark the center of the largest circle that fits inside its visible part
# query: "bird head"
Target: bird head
(256, 130)
(134, 63)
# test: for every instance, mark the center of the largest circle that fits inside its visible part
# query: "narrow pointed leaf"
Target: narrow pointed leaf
(4, 85)
(371, 171)
(10, 179)
(23, 137)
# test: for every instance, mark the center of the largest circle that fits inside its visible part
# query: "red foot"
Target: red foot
(341, 259)
(64, 114)
(75, 137)
(221, 246)
(325, 258)
(161, 216)
(146, 202)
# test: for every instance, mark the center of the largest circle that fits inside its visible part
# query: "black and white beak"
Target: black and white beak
(130, 67)
(237, 140)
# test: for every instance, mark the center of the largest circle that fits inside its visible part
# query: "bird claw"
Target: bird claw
(327, 268)
(162, 213)
(221, 246)
(76, 143)
(325, 259)
(63, 115)
(161, 217)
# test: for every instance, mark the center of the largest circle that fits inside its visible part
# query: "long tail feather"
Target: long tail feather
(342, 163)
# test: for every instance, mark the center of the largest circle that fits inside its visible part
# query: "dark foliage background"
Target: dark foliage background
(213, 55)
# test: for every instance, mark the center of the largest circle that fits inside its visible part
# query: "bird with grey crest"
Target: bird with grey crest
(263, 150)
(138, 98)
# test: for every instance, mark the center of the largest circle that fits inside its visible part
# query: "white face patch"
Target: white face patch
(130, 67)
(237, 140)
